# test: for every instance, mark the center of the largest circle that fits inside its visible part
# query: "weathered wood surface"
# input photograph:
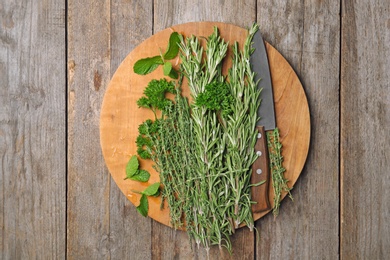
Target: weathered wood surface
(307, 34)
(32, 130)
(100, 223)
(57, 199)
(365, 134)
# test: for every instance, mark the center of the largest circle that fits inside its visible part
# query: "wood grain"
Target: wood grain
(88, 181)
(32, 130)
(128, 28)
(307, 34)
(365, 136)
(350, 123)
(99, 220)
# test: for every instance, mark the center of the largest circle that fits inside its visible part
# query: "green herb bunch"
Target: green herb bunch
(225, 115)
(154, 99)
(216, 97)
(240, 132)
(168, 139)
(175, 160)
(168, 142)
(204, 151)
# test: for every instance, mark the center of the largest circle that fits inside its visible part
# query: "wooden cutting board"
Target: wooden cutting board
(120, 115)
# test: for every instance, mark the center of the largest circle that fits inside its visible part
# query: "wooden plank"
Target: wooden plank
(307, 34)
(168, 13)
(32, 130)
(365, 121)
(131, 23)
(88, 180)
(100, 36)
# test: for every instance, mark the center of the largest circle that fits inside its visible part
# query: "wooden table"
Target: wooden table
(57, 198)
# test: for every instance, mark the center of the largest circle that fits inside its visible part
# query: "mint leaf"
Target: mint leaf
(152, 190)
(147, 65)
(143, 206)
(141, 175)
(173, 47)
(167, 68)
(173, 74)
(169, 71)
(132, 167)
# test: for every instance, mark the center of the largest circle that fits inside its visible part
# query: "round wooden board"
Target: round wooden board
(120, 115)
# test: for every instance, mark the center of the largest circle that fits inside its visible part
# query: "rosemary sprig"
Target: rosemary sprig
(224, 132)
(211, 226)
(240, 131)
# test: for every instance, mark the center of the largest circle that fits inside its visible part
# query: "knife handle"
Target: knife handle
(261, 172)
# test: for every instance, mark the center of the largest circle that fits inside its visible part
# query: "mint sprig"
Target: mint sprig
(173, 46)
(149, 64)
(152, 190)
(133, 173)
(143, 206)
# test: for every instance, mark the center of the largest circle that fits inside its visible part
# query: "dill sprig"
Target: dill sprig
(279, 182)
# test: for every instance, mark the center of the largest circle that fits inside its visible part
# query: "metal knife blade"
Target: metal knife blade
(266, 112)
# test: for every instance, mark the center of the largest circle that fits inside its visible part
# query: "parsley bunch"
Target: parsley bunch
(154, 99)
(155, 92)
(216, 97)
(147, 131)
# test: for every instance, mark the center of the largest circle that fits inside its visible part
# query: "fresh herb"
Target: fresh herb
(175, 160)
(147, 130)
(168, 142)
(209, 221)
(240, 132)
(224, 115)
(203, 151)
(154, 99)
(133, 173)
(216, 97)
(151, 190)
(173, 47)
(155, 95)
(279, 182)
(143, 206)
(169, 71)
(141, 175)
(148, 65)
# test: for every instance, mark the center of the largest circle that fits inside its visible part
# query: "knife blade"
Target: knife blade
(266, 113)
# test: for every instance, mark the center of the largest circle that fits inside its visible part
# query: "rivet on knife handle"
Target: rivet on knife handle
(261, 172)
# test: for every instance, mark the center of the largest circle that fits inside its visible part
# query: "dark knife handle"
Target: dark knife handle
(261, 172)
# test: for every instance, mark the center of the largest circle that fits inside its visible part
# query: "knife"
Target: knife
(266, 113)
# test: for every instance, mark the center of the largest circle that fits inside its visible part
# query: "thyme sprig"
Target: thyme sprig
(279, 182)
(168, 142)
